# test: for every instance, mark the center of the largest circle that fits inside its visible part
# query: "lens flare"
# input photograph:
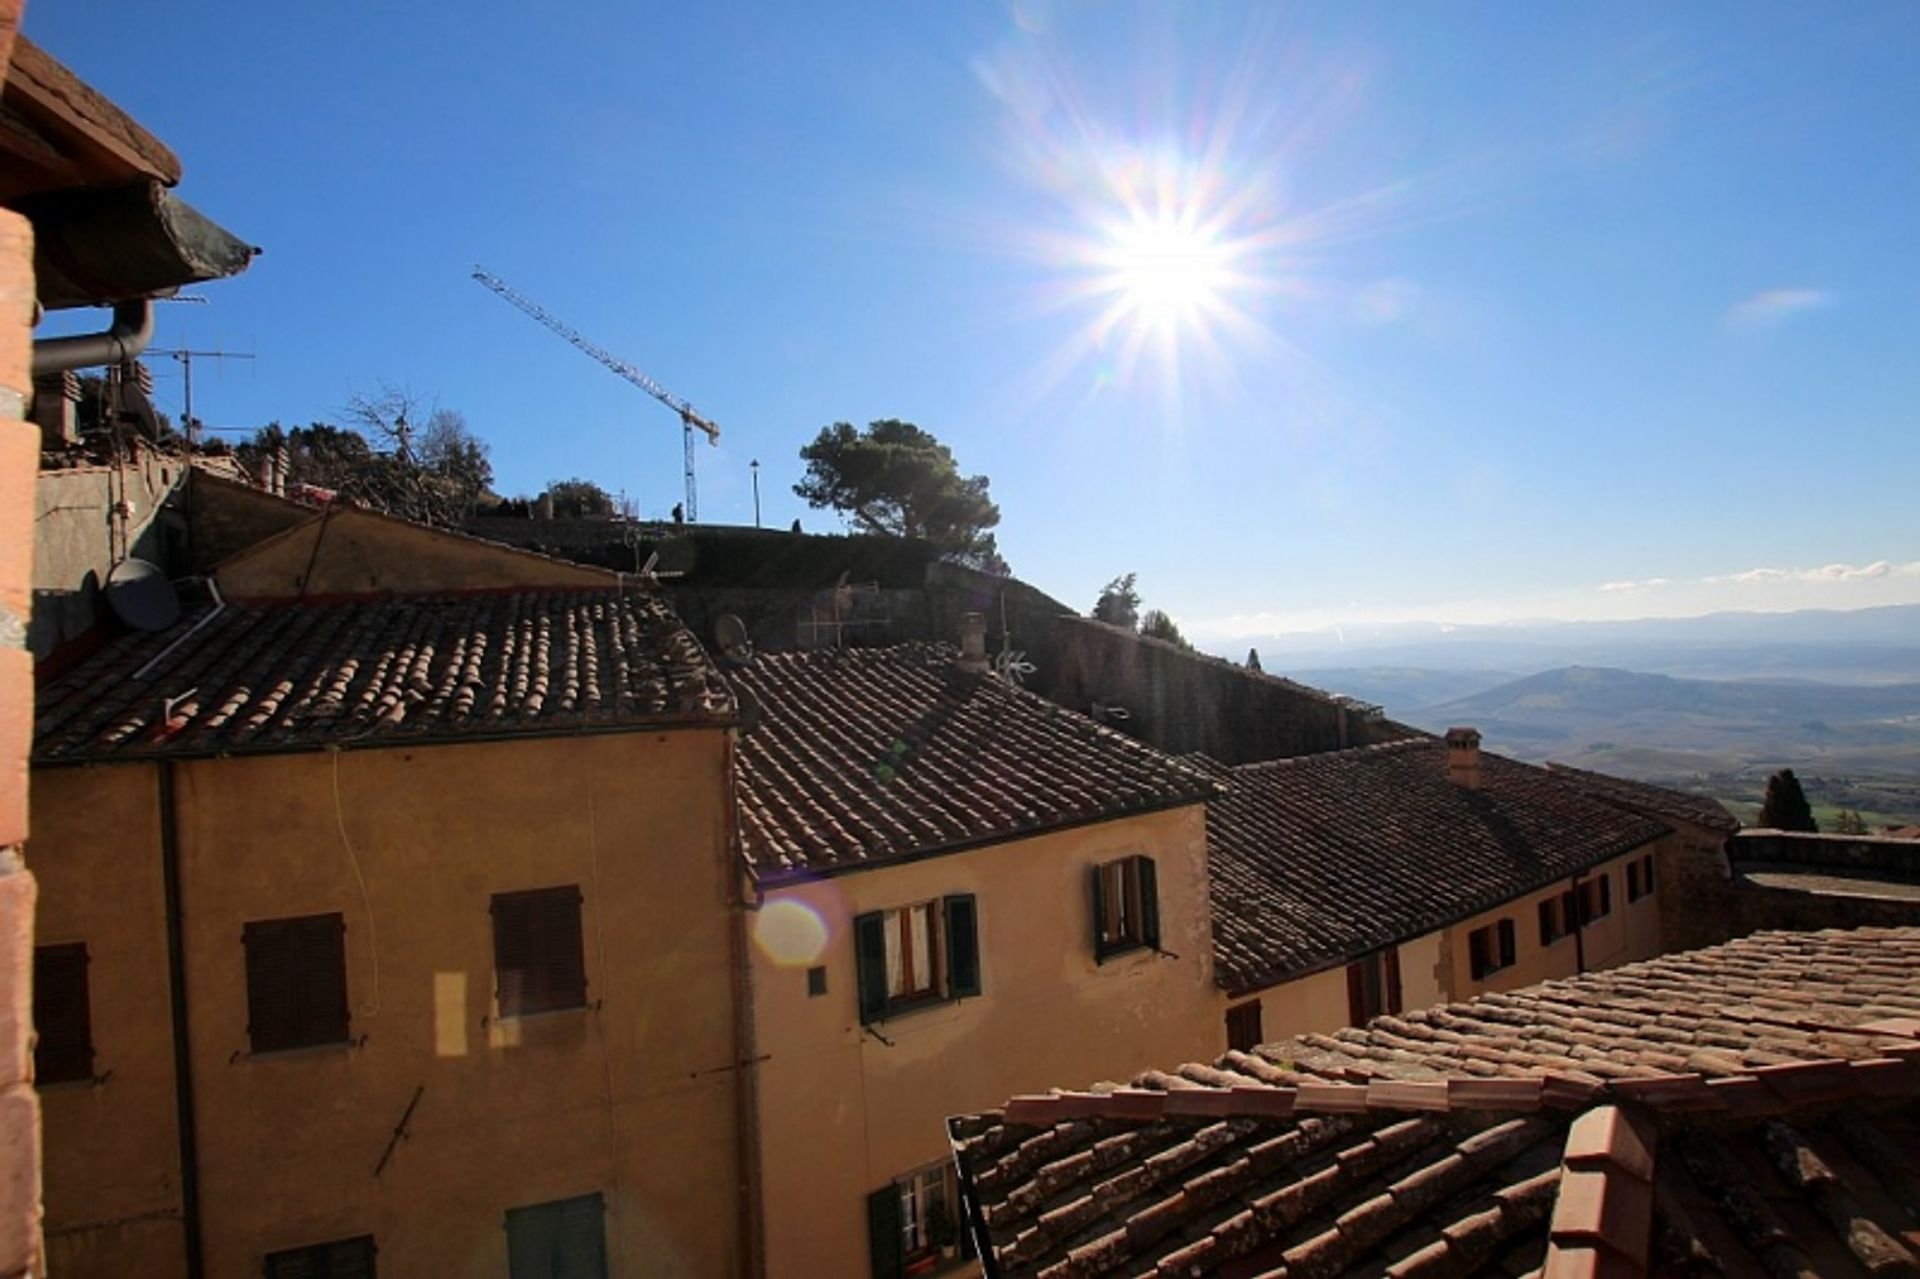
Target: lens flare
(1167, 272)
(791, 933)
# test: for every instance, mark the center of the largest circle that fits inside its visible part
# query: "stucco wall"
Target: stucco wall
(633, 1096)
(74, 537)
(1630, 932)
(843, 1114)
(225, 517)
(348, 552)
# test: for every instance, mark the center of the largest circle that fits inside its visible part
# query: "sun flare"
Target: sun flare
(1168, 272)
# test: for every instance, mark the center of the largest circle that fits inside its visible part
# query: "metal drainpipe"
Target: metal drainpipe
(1579, 927)
(746, 1082)
(131, 331)
(182, 1044)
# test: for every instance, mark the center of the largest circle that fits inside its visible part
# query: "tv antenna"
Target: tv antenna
(186, 359)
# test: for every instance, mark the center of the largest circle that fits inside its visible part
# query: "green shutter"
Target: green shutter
(883, 1232)
(963, 947)
(1149, 903)
(870, 955)
(1099, 916)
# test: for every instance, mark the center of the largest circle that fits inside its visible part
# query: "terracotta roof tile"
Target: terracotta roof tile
(1324, 858)
(301, 675)
(1625, 1175)
(865, 755)
(1644, 797)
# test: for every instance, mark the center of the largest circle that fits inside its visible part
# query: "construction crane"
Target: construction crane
(689, 419)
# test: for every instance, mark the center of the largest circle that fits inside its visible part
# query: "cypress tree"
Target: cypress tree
(1785, 806)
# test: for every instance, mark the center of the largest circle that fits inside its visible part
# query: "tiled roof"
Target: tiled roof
(1323, 858)
(1645, 797)
(1740, 1110)
(865, 755)
(293, 676)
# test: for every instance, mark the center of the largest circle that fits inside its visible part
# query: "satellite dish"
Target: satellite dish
(141, 596)
(730, 633)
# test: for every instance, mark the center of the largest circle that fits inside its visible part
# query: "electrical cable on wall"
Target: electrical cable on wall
(600, 1024)
(366, 900)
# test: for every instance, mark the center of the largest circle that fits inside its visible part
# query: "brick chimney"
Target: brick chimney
(1463, 757)
(55, 396)
(973, 643)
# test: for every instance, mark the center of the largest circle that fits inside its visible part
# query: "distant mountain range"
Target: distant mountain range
(1870, 645)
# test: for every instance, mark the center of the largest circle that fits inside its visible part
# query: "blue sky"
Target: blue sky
(1305, 314)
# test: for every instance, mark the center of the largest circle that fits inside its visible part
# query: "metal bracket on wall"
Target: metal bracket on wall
(877, 1035)
(399, 1131)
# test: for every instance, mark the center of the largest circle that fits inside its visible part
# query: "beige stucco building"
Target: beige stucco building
(406, 926)
(927, 844)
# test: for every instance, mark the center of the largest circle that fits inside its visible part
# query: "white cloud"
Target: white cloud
(1771, 306)
(1650, 584)
(1824, 573)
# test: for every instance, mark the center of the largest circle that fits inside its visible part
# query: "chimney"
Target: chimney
(973, 643)
(54, 398)
(1463, 757)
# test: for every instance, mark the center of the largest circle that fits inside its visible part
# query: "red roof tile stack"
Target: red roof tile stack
(1752, 1108)
(1317, 860)
(866, 755)
(301, 675)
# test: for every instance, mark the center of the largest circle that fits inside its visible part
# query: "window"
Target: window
(341, 1259)
(915, 1225)
(1596, 898)
(912, 956)
(1639, 877)
(1373, 986)
(1556, 918)
(1491, 948)
(1126, 907)
(62, 1020)
(1243, 1027)
(565, 1239)
(296, 982)
(537, 962)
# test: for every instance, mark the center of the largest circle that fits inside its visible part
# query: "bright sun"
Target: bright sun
(1167, 273)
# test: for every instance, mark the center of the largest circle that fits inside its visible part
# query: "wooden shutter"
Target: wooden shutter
(963, 946)
(538, 959)
(1149, 902)
(1477, 960)
(320, 948)
(1390, 959)
(1547, 930)
(1356, 994)
(870, 960)
(580, 1238)
(1099, 915)
(1506, 943)
(1606, 893)
(342, 1259)
(883, 1233)
(62, 1018)
(296, 982)
(1646, 876)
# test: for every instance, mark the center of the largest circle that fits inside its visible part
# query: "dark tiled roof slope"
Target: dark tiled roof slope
(1791, 1144)
(302, 675)
(1322, 858)
(1645, 797)
(864, 755)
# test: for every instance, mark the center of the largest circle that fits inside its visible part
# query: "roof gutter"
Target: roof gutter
(131, 331)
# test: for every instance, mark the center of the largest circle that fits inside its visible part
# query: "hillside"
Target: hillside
(1855, 746)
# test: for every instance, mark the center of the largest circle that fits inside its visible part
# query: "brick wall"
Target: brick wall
(1862, 859)
(19, 459)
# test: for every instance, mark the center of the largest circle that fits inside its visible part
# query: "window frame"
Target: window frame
(901, 1236)
(1245, 1030)
(1383, 968)
(322, 1259)
(547, 926)
(1492, 948)
(1640, 883)
(310, 952)
(63, 1048)
(952, 951)
(1132, 885)
(1595, 898)
(552, 1216)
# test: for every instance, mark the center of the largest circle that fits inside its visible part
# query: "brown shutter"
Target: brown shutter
(563, 956)
(1506, 943)
(1606, 893)
(1149, 902)
(62, 1020)
(513, 948)
(1392, 961)
(1356, 994)
(321, 976)
(538, 959)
